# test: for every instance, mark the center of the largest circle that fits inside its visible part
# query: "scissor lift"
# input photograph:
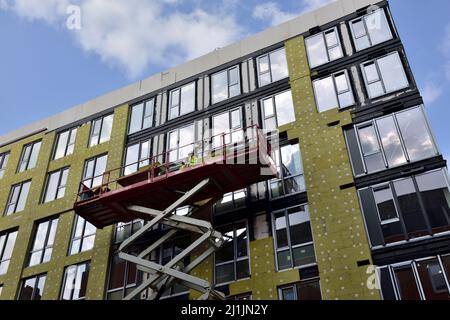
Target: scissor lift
(153, 193)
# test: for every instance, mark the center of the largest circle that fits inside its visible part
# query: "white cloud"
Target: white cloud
(431, 92)
(310, 5)
(271, 12)
(136, 34)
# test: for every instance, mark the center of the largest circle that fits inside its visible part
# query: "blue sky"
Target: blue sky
(46, 68)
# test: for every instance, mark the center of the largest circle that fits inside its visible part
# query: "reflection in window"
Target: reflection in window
(180, 144)
(65, 143)
(278, 110)
(407, 208)
(384, 75)
(93, 171)
(17, 198)
(231, 201)
(333, 92)
(424, 279)
(305, 290)
(290, 172)
(75, 282)
(44, 239)
(29, 157)
(32, 288)
(227, 128)
(323, 48)
(232, 260)
(142, 116)
(395, 140)
(225, 84)
(125, 229)
(137, 156)
(83, 236)
(182, 101)
(123, 278)
(370, 30)
(293, 238)
(56, 185)
(4, 157)
(101, 130)
(272, 67)
(7, 242)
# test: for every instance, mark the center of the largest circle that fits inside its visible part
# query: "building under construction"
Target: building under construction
(297, 164)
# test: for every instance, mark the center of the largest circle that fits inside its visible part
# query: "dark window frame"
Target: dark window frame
(269, 69)
(11, 193)
(145, 106)
(95, 159)
(7, 234)
(179, 105)
(294, 286)
(37, 279)
(140, 161)
(333, 76)
(46, 246)
(98, 138)
(4, 159)
(80, 238)
(72, 134)
(64, 283)
(26, 161)
(275, 111)
(229, 85)
(327, 47)
(59, 185)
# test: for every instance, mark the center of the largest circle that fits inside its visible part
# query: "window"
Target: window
(305, 290)
(421, 279)
(137, 156)
(93, 171)
(290, 170)
(101, 130)
(384, 75)
(65, 143)
(370, 30)
(44, 239)
(83, 236)
(225, 84)
(56, 185)
(17, 198)
(7, 242)
(228, 124)
(180, 143)
(231, 201)
(272, 67)
(125, 230)
(32, 288)
(334, 92)
(182, 101)
(323, 48)
(142, 116)
(232, 259)
(29, 157)
(407, 208)
(75, 282)
(123, 278)
(293, 238)
(391, 141)
(4, 157)
(278, 110)
(241, 297)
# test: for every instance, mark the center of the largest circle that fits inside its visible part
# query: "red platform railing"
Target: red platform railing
(160, 166)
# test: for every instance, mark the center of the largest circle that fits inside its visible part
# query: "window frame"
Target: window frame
(97, 139)
(7, 234)
(229, 85)
(4, 159)
(168, 148)
(26, 161)
(92, 178)
(235, 258)
(145, 104)
(82, 237)
(10, 198)
(333, 77)
(45, 246)
(59, 186)
(125, 287)
(123, 225)
(179, 105)
(72, 290)
(288, 233)
(269, 69)
(141, 161)
(71, 141)
(295, 285)
(275, 111)
(383, 187)
(37, 279)
(362, 19)
(327, 48)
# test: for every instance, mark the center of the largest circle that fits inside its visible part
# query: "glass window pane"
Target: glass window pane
(100, 168)
(281, 230)
(371, 72)
(285, 108)
(390, 140)
(309, 291)
(242, 270)
(137, 113)
(284, 259)
(187, 99)
(325, 94)
(39, 290)
(392, 72)
(414, 130)
(291, 160)
(294, 185)
(34, 155)
(220, 86)
(288, 293)
(131, 159)
(436, 199)
(225, 273)
(346, 99)
(26, 291)
(300, 226)
(342, 83)
(8, 249)
(407, 284)
(52, 187)
(368, 139)
(106, 128)
(23, 197)
(358, 28)
(69, 282)
(385, 204)
(226, 252)
(278, 64)
(432, 280)
(61, 146)
(378, 27)
(317, 52)
(331, 38)
(376, 89)
(410, 208)
(175, 98)
(335, 53)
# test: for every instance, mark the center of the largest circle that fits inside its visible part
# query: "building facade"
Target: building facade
(360, 209)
